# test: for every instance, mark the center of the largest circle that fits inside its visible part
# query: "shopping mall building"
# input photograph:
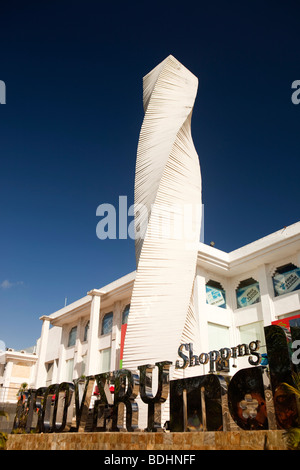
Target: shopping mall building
(236, 295)
(181, 293)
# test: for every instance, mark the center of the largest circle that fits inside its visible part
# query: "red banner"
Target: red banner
(123, 333)
(285, 322)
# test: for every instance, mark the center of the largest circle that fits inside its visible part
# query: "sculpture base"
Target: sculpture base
(234, 440)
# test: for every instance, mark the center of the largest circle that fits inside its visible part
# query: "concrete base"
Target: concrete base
(236, 440)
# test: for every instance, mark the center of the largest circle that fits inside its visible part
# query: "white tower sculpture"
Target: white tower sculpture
(167, 220)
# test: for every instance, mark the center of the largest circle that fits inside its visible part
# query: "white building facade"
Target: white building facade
(17, 368)
(236, 295)
(184, 294)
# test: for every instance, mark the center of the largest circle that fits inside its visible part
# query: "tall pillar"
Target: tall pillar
(6, 381)
(41, 374)
(116, 337)
(266, 288)
(92, 363)
(61, 370)
(201, 311)
(78, 349)
(201, 308)
(231, 307)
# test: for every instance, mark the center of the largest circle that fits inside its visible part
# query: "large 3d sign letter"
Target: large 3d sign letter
(199, 404)
(123, 397)
(250, 399)
(279, 344)
(154, 403)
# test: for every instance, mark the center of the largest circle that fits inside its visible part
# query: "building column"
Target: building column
(6, 380)
(62, 356)
(92, 363)
(40, 379)
(201, 309)
(55, 372)
(116, 337)
(78, 350)
(266, 298)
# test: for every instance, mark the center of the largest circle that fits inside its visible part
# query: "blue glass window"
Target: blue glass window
(286, 279)
(107, 323)
(215, 294)
(86, 331)
(248, 293)
(125, 314)
(72, 336)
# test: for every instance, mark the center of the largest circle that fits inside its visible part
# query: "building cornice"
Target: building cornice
(96, 292)
(45, 317)
(283, 243)
(116, 290)
(212, 257)
(17, 356)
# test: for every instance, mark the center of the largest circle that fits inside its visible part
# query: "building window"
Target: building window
(107, 323)
(72, 336)
(252, 332)
(125, 314)
(215, 294)
(247, 293)
(286, 279)
(49, 369)
(218, 336)
(69, 370)
(86, 331)
(105, 355)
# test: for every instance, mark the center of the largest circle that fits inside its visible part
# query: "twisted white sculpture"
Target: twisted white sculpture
(167, 182)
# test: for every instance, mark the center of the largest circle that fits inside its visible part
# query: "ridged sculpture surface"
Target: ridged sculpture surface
(168, 204)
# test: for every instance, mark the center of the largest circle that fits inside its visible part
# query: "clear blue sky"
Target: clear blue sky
(69, 131)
